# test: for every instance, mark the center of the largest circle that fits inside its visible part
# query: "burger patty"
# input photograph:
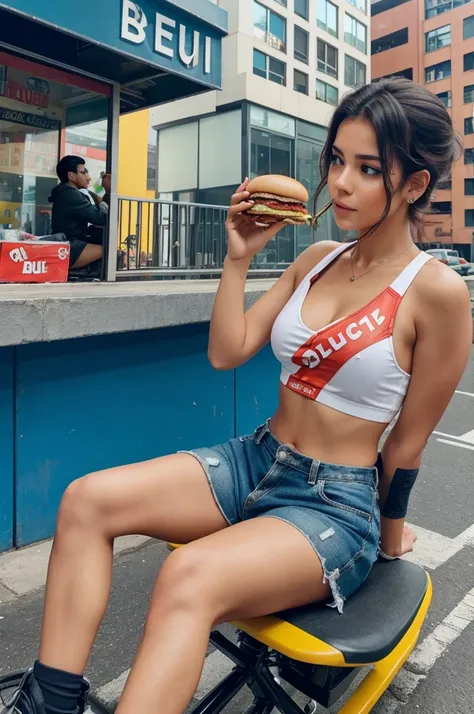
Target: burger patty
(293, 211)
(283, 206)
(273, 197)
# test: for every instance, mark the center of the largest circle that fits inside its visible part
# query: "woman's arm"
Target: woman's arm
(236, 335)
(442, 349)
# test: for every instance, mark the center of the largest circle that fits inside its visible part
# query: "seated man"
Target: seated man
(73, 211)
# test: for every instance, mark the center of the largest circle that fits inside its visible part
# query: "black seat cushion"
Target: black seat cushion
(375, 618)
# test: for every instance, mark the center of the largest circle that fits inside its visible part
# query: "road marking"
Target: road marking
(468, 436)
(432, 549)
(456, 443)
(431, 648)
(466, 537)
(466, 394)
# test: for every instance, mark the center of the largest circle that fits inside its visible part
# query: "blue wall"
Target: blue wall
(76, 406)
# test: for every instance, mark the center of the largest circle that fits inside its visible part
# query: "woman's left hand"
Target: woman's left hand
(408, 540)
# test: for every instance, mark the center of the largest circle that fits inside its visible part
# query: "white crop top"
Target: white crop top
(349, 365)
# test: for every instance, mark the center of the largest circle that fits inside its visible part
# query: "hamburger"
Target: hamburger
(278, 199)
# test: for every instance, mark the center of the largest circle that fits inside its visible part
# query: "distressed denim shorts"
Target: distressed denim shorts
(334, 507)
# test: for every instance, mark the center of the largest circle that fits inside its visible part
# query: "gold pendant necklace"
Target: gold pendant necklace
(384, 262)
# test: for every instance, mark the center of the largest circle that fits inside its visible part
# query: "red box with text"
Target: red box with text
(34, 261)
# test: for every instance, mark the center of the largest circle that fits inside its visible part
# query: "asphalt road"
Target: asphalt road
(442, 509)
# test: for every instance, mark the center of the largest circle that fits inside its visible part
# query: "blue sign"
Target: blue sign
(160, 33)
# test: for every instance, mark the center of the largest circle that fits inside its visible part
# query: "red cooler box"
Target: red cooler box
(34, 261)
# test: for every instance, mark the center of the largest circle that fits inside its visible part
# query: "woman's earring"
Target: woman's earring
(411, 200)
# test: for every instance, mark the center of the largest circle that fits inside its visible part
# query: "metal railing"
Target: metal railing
(177, 239)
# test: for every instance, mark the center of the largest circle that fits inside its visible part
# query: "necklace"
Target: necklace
(383, 262)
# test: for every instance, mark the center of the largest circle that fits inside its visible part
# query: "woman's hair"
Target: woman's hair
(412, 126)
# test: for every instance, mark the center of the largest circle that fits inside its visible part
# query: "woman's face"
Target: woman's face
(355, 181)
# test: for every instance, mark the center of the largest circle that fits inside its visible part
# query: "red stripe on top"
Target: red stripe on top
(323, 354)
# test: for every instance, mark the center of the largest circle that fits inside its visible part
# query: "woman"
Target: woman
(290, 514)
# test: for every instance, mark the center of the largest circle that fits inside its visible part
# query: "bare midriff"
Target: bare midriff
(324, 433)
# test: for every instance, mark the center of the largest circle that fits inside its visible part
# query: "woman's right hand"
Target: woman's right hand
(244, 237)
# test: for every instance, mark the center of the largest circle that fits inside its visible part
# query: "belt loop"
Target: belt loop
(313, 472)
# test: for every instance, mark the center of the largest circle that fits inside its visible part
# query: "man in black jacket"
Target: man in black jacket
(73, 212)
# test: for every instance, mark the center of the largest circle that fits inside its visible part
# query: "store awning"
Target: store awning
(157, 50)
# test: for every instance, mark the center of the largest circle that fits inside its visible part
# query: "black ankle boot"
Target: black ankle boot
(27, 698)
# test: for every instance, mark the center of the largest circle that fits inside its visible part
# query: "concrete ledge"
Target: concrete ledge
(43, 313)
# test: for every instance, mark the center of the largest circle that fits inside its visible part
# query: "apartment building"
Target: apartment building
(417, 39)
(285, 65)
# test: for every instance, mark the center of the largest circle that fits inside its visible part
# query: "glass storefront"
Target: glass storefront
(282, 145)
(255, 141)
(45, 113)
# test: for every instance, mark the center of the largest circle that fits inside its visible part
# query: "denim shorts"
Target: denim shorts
(334, 507)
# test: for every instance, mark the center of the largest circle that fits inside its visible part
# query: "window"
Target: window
(282, 2)
(269, 27)
(469, 156)
(469, 94)
(438, 71)
(360, 5)
(151, 174)
(468, 27)
(441, 37)
(327, 59)
(469, 187)
(441, 207)
(469, 218)
(300, 82)
(327, 93)
(301, 50)
(445, 98)
(354, 72)
(382, 5)
(31, 138)
(355, 33)
(468, 61)
(327, 17)
(302, 8)
(468, 125)
(438, 7)
(269, 67)
(388, 42)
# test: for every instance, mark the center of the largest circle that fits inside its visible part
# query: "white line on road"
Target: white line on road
(466, 537)
(459, 444)
(431, 648)
(466, 394)
(468, 436)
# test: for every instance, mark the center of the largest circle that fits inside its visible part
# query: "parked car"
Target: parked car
(451, 258)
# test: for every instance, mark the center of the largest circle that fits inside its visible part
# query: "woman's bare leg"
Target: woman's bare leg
(251, 569)
(167, 498)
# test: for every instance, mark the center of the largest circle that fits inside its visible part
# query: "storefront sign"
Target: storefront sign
(33, 120)
(183, 38)
(169, 39)
(36, 93)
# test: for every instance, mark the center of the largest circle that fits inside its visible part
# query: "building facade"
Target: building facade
(285, 65)
(67, 77)
(417, 39)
